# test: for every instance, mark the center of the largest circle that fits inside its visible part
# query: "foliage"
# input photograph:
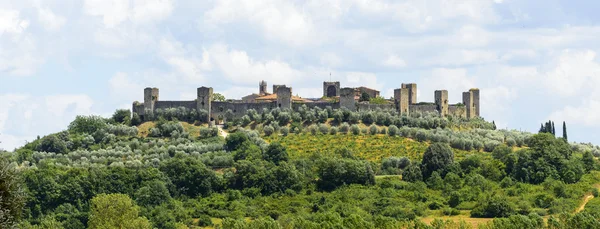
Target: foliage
(12, 198)
(122, 116)
(115, 211)
(437, 158)
(191, 177)
(87, 124)
(218, 97)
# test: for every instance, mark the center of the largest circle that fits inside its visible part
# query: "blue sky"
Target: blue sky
(532, 60)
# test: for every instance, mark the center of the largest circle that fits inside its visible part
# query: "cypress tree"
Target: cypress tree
(565, 132)
(553, 130)
(542, 130)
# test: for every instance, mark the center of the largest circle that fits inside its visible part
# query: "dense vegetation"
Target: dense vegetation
(314, 168)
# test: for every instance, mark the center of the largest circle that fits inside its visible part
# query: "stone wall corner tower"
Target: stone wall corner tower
(441, 101)
(467, 98)
(284, 97)
(347, 99)
(475, 94)
(331, 89)
(203, 101)
(150, 98)
(412, 92)
(401, 100)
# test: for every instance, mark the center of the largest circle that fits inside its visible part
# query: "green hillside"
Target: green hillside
(311, 168)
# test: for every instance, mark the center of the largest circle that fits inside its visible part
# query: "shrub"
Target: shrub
(87, 124)
(344, 128)
(122, 116)
(323, 129)
(284, 131)
(268, 130)
(373, 130)
(355, 129)
(494, 207)
(333, 130)
(393, 130)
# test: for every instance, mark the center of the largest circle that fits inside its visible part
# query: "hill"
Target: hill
(311, 168)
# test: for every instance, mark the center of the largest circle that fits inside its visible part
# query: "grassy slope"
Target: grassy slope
(369, 147)
(194, 130)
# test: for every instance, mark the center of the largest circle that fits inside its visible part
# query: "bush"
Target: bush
(344, 128)
(323, 129)
(122, 116)
(373, 130)
(268, 130)
(333, 130)
(87, 124)
(355, 129)
(393, 130)
(284, 131)
(494, 207)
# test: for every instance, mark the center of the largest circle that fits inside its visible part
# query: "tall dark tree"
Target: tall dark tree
(565, 132)
(553, 129)
(436, 158)
(12, 197)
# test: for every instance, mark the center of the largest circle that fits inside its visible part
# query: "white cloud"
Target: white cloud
(122, 87)
(279, 20)
(357, 79)
(26, 116)
(139, 12)
(59, 104)
(240, 68)
(113, 12)
(49, 20)
(11, 22)
(571, 72)
(184, 61)
(585, 114)
(455, 81)
(330, 59)
(418, 16)
(394, 61)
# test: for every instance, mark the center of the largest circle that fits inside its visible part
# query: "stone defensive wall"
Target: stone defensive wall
(404, 101)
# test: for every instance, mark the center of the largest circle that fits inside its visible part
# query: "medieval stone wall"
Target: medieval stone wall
(423, 108)
(404, 102)
(175, 104)
(457, 110)
(367, 106)
(322, 105)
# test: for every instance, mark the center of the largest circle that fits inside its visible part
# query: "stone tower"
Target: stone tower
(441, 101)
(412, 92)
(203, 101)
(150, 98)
(347, 99)
(331, 89)
(262, 88)
(276, 86)
(401, 99)
(475, 94)
(468, 102)
(284, 97)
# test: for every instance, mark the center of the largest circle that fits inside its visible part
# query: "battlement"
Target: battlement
(404, 101)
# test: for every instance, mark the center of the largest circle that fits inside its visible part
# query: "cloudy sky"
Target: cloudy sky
(533, 60)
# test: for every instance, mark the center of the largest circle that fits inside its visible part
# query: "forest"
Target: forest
(309, 168)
